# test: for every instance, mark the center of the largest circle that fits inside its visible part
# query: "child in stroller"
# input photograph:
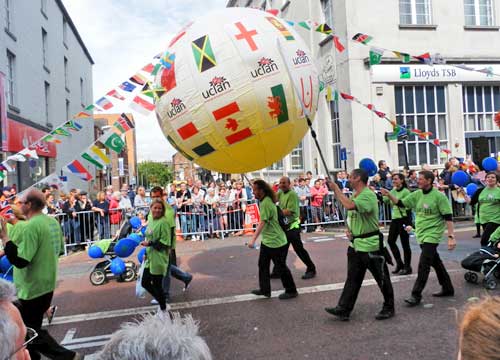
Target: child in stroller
(102, 270)
(485, 261)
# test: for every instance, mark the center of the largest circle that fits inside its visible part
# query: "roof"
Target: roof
(75, 31)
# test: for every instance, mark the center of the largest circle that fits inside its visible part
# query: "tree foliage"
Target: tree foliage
(152, 173)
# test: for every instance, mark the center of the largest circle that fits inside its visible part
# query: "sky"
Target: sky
(122, 36)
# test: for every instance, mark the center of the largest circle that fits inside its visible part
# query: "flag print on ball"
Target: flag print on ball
(203, 54)
(232, 106)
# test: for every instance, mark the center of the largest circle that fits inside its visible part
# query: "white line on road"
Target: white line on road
(214, 301)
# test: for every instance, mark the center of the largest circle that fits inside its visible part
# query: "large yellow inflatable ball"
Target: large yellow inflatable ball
(230, 103)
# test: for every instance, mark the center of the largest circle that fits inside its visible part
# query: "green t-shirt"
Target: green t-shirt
(495, 236)
(272, 234)
(15, 231)
(397, 212)
(290, 201)
(39, 243)
(158, 231)
(364, 220)
(170, 216)
(489, 205)
(429, 210)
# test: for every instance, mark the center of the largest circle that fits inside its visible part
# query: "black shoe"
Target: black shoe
(309, 275)
(477, 236)
(406, 271)
(412, 301)
(186, 283)
(342, 315)
(398, 268)
(275, 276)
(444, 293)
(385, 314)
(258, 292)
(288, 295)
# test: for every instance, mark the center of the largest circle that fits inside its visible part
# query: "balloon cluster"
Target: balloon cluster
(123, 248)
(6, 269)
(369, 166)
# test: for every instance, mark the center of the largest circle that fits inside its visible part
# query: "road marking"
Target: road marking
(214, 301)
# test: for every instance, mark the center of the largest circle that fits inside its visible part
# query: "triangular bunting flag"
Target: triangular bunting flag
(72, 125)
(81, 115)
(338, 45)
(76, 167)
(114, 142)
(324, 29)
(61, 132)
(148, 68)
(142, 106)
(362, 38)
(96, 156)
(29, 153)
(405, 58)
(114, 93)
(50, 138)
(304, 25)
(376, 56)
(346, 96)
(153, 91)
(104, 103)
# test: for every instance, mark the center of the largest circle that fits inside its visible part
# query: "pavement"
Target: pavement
(239, 325)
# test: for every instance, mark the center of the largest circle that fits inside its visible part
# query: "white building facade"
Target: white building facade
(456, 105)
(47, 79)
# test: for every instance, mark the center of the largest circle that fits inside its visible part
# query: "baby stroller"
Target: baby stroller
(485, 261)
(103, 271)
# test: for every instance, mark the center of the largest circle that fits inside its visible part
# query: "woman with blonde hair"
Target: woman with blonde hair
(480, 331)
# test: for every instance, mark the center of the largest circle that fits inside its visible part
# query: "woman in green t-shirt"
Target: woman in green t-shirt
(273, 245)
(158, 243)
(488, 199)
(401, 218)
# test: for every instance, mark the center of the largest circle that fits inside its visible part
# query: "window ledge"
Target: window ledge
(46, 69)
(11, 35)
(325, 40)
(417, 27)
(44, 14)
(481, 28)
(14, 109)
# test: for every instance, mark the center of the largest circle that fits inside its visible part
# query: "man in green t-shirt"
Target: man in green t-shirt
(433, 213)
(274, 246)
(364, 252)
(289, 204)
(35, 258)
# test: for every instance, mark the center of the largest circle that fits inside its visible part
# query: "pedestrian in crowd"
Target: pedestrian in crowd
(289, 204)
(366, 249)
(125, 203)
(85, 212)
(238, 199)
(383, 171)
(318, 192)
(172, 268)
(343, 182)
(5, 198)
(51, 205)
(480, 331)
(153, 338)
(101, 209)
(433, 214)
(115, 212)
(14, 334)
(401, 218)
(158, 243)
(140, 198)
(71, 223)
(130, 193)
(412, 180)
(198, 217)
(109, 193)
(212, 203)
(184, 202)
(273, 246)
(223, 208)
(35, 258)
(304, 194)
(488, 204)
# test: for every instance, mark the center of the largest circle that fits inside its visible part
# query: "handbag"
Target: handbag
(140, 292)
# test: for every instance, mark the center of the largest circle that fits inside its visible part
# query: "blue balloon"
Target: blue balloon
(9, 276)
(125, 247)
(117, 266)
(369, 166)
(143, 230)
(460, 178)
(95, 252)
(140, 255)
(135, 222)
(489, 164)
(136, 237)
(471, 189)
(5, 264)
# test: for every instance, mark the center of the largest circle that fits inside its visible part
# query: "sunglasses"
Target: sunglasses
(31, 335)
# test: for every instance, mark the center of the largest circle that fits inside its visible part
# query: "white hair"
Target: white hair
(9, 330)
(157, 337)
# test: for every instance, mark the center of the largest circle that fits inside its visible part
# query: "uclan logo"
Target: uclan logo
(301, 58)
(266, 66)
(176, 107)
(217, 85)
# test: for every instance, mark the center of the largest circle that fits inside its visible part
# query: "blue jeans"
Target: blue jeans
(103, 227)
(177, 273)
(72, 231)
(186, 223)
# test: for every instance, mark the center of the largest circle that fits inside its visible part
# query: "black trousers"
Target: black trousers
(357, 264)
(293, 237)
(32, 312)
(278, 257)
(396, 229)
(430, 257)
(488, 229)
(153, 285)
